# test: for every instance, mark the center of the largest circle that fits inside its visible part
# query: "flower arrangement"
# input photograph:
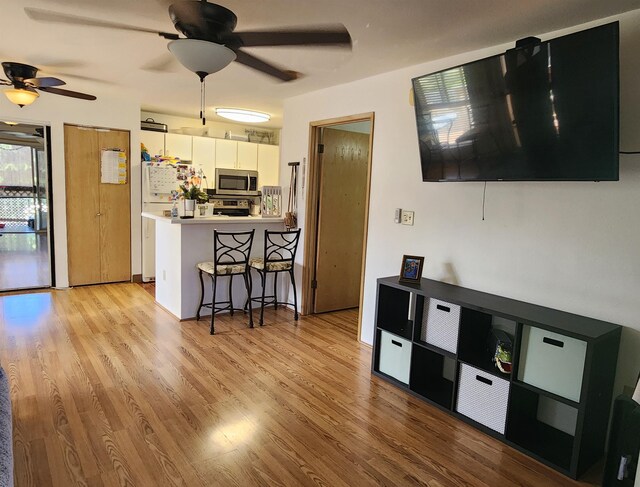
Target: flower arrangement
(191, 191)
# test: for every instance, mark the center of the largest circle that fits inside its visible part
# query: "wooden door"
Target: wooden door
(115, 215)
(341, 219)
(98, 215)
(82, 173)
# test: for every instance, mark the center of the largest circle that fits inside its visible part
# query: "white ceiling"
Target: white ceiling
(387, 35)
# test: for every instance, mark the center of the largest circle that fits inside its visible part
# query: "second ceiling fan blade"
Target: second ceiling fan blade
(42, 15)
(260, 65)
(44, 82)
(72, 94)
(336, 35)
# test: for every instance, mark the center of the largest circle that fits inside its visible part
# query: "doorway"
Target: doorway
(337, 214)
(26, 257)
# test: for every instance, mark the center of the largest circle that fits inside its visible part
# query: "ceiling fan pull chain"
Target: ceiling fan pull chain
(202, 101)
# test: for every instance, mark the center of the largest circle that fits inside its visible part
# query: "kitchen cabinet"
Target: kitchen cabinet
(435, 340)
(204, 157)
(226, 154)
(98, 214)
(179, 145)
(247, 156)
(153, 141)
(268, 165)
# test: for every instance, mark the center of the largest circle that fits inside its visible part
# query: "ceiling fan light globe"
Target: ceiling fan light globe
(240, 115)
(21, 97)
(201, 56)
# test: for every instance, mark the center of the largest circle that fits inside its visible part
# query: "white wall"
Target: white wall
(572, 246)
(55, 111)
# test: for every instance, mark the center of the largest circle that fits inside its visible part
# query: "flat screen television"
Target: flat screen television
(546, 111)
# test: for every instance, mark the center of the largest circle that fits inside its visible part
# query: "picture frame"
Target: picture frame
(411, 269)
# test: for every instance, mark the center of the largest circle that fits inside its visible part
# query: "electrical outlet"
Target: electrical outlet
(407, 217)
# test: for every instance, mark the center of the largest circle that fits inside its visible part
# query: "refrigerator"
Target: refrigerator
(158, 182)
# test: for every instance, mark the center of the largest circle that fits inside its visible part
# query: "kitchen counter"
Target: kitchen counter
(182, 243)
(204, 220)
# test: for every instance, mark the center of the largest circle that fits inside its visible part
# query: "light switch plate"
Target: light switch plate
(407, 217)
(397, 217)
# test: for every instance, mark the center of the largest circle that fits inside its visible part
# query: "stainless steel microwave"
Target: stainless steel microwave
(237, 182)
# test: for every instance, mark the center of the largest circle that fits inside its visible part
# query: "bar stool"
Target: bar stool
(231, 252)
(279, 256)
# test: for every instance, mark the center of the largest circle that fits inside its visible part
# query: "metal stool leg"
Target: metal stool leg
(275, 290)
(263, 276)
(247, 285)
(213, 303)
(201, 295)
(230, 295)
(295, 295)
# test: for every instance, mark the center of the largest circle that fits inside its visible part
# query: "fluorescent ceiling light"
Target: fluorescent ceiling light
(20, 96)
(201, 56)
(240, 115)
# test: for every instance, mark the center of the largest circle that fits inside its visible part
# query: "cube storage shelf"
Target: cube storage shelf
(433, 340)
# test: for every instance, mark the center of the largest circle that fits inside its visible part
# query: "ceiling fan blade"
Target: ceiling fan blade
(42, 15)
(336, 35)
(264, 67)
(165, 63)
(72, 94)
(45, 81)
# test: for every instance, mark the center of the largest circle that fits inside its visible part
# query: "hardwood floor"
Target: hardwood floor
(108, 389)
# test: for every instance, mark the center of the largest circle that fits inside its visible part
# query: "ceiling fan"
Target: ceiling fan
(26, 85)
(210, 42)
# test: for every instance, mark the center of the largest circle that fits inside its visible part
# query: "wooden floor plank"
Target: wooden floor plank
(108, 389)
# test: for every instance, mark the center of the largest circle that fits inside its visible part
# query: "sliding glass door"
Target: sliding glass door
(25, 251)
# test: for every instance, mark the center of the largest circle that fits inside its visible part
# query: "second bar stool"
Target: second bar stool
(279, 256)
(231, 252)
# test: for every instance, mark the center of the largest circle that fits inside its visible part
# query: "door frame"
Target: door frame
(312, 207)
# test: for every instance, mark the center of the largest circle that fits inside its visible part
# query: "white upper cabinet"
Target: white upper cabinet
(204, 157)
(268, 165)
(179, 145)
(226, 154)
(248, 156)
(153, 141)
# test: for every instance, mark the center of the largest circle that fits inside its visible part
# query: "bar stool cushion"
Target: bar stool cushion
(258, 263)
(222, 269)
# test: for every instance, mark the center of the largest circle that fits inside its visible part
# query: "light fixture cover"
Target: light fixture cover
(21, 97)
(201, 56)
(240, 115)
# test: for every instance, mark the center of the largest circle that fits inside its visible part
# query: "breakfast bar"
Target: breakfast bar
(182, 243)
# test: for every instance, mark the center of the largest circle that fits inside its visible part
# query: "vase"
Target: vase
(189, 205)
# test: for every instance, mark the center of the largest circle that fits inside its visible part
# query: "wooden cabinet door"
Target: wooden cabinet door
(204, 157)
(268, 165)
(82, 174)
(226, 154)
(248, 156)
(115, 216)
(98, 215)
(178, 145)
